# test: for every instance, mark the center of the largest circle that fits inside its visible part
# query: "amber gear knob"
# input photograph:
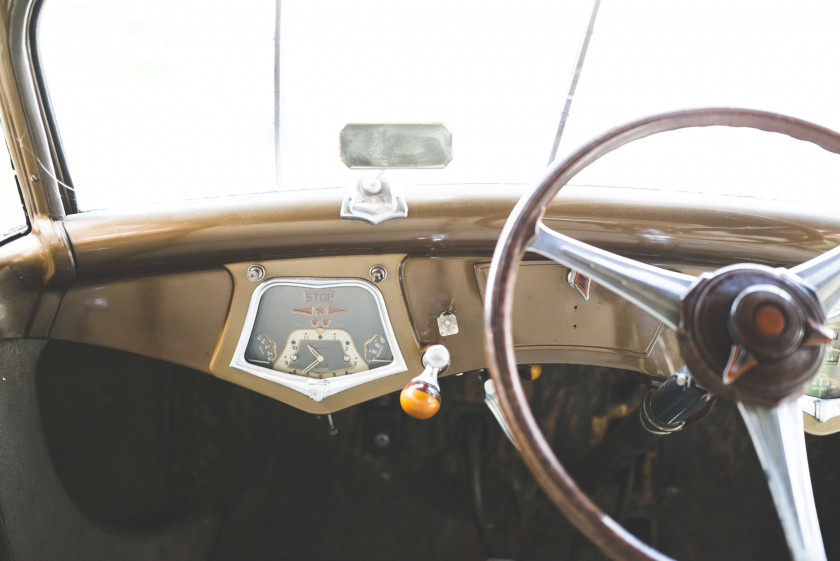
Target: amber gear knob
(420, 398)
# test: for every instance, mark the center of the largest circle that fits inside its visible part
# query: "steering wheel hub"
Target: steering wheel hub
(760, 353)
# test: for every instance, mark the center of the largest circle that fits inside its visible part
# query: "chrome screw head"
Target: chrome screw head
(378, 273)
(256, 273)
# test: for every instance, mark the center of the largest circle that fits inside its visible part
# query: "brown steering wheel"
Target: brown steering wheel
(762, 365)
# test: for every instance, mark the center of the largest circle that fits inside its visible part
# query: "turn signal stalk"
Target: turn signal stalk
(420, 398)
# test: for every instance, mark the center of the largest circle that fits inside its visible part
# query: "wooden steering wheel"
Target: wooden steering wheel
(748, 333)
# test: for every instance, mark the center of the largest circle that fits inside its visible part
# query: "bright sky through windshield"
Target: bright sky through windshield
(652, 57)
(169, 100)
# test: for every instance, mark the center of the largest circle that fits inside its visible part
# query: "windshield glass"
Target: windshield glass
(160, 100)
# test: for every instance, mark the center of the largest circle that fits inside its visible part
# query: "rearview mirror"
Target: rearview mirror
(396, 145)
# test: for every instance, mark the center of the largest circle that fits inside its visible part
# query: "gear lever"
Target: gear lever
(420, 398)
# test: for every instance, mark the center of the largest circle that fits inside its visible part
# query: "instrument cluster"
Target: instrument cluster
(318, 335)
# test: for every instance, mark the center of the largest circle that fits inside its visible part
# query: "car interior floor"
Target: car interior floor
(139, 443)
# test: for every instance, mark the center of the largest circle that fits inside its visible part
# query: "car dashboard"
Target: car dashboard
(323, 313)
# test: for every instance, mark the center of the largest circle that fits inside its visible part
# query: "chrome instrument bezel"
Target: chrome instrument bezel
(317, 389)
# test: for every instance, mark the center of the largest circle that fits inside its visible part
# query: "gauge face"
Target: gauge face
(377, 350)
(320, 353)
(265, 350)
(318, 331)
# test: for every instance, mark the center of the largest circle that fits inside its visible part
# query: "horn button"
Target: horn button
(752, 333)
(765, 320)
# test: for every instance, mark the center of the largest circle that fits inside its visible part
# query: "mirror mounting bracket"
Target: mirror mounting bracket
(373, 200)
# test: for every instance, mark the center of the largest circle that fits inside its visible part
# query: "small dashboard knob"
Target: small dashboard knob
(420, 398)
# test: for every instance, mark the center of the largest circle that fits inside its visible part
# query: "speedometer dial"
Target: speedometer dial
(320, 353)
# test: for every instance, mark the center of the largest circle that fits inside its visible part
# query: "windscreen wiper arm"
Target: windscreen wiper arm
(575, 77)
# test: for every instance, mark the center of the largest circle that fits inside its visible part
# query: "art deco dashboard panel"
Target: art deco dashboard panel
(318, 336)
(317, 333)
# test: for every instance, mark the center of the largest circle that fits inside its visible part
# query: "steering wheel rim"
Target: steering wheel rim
(523, 226)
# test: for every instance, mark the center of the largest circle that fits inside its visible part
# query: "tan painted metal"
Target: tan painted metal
(18, 300)
(553, 324)
(176, 317)
(652, 225)
(815, 427)
(35, 269)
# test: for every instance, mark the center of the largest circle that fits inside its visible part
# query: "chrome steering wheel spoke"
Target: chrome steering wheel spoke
(656, 290)
(823, 274)
(779, 439)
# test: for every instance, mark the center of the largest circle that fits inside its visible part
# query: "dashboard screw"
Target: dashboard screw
(378, 273)
(256, 273)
